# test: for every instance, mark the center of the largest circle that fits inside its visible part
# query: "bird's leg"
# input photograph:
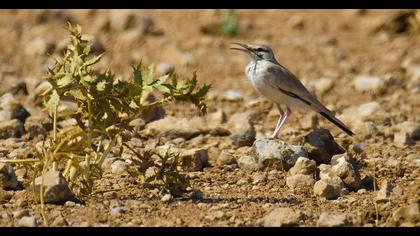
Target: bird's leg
(282, 119)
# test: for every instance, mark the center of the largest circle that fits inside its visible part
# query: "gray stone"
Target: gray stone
(321, 146)
(171, 127)
(55, 187)
(327, 219)
(411, 128)
(323, 85)
(119, 167)
(242, 129)
(27, 221)
(258, 177)
(166, 198)
(232, 96)
(8, 178)
(364, 83)
(283, 217)
(248, 162)
(347, 172)
(303, 166)
(402, 138)
(194, 159)
(300, 181)
(164, 68)
(277, 154)
(384, 193)
(368, 111)
(226, 158)
(328, 188)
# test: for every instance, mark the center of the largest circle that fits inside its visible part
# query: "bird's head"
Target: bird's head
(257, 51)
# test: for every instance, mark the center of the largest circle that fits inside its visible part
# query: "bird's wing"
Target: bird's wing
(288, 84)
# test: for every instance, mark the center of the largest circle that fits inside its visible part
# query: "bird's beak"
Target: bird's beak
(242, 47)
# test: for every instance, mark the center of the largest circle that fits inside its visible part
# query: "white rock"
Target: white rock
(27, 221)
(166, 198)
(171, 127)
(248, 162)
(367, 111)
(384, 193)
(283, 217)
(242, 129)
(300, 181)
(277, 153)
(347, 172)
(365, 83)
(303, 166)
(55, 187)
(164, 68)
(119, 167)
(332, 220)
(323, 85)
(329, 188)
(37, 47)
(411, 128)
(233, 95)
(226, 158)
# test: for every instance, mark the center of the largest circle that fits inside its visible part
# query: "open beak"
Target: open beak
(242, 47)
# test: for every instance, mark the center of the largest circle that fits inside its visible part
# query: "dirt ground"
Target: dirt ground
(313, 44)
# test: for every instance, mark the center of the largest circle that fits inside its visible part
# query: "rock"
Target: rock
(248, 162)
(55, 187)
(153, 113)
(411, 128)
(402, 138)
(171, 127)
(59, 221)
(188, 59)
(328, 188)
(8, 178)
(164, 68)
(226, 158)
(194, 159)
(384, 193)
(332, 220)
(364, 83)
(365, 129)
(323, 85)
(367, 182)
(300, 181)
(283, 217)
(347, 172)
(242, 129)
(406, 214)
(232, 96)
(38, 47)
(20, 213)
(321, 146)
(10, 108)
(27, 221)
(119, 167)
(277, 154)
(166, 198)
(11, 128)
(258, 177)
(41, 88)
(303, 166)
(38, 125)
(368, 111)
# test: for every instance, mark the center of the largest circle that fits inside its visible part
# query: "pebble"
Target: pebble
(283, 217)
(364, 83)
(233, 96)
(20, 213)
(55, 187)
(329, 188)
(303, 166)
(171, 127)
(27, 221)
(38, 46)
(408, 214)
(119, 167)
(347, 172)
(384, 193)
(226, 158)
(242, 129)
(321, 146)
(164, 68)
(412, 129)
(8, 179)
(11, 129)
(300, 181)
(166, 198)
(327, 219)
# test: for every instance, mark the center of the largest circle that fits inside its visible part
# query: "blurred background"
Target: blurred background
(337, 54)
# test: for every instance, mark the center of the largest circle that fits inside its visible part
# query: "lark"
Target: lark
(281, 86)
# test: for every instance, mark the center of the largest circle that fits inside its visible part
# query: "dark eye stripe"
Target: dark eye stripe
(261, 50)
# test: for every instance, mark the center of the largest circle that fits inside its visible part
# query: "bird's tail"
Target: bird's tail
(329, 116)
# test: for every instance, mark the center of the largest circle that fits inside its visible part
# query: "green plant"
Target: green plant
(229, 22)
(105, 107)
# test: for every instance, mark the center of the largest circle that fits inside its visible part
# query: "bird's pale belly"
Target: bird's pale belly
(265, 88)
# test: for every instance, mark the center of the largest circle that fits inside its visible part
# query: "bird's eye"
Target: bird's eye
(261, 50)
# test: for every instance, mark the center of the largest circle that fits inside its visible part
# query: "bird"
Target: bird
(275, 82)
